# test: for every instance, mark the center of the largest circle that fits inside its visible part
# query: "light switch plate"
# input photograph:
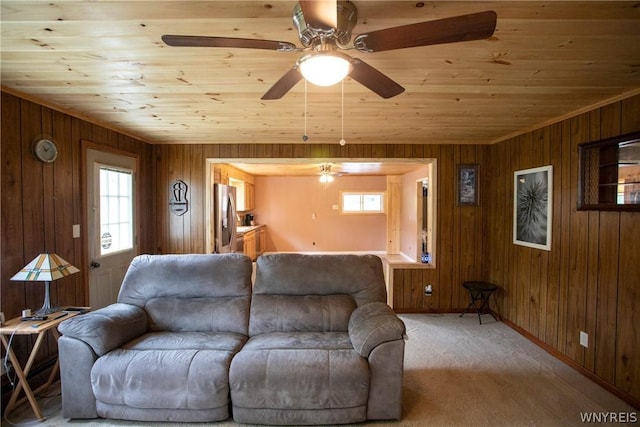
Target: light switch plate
(584, 339)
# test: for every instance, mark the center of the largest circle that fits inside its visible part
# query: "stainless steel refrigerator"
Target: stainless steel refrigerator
(224, 218)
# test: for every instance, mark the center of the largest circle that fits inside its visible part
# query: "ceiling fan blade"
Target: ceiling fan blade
(282, 86)
(203, 41)
(320, 14)
(373, 79)
(475, 26)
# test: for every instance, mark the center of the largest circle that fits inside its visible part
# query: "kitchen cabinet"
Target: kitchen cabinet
(245, 198)
(254, 239)
(249, 196)
(261, 240)
(250, 245)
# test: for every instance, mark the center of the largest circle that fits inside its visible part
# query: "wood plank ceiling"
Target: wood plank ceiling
(104, 60)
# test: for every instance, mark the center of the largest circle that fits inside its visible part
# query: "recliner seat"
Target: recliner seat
(301, 365)
(163, 351)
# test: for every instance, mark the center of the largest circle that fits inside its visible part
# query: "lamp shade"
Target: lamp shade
(45, 268)
(325, 68)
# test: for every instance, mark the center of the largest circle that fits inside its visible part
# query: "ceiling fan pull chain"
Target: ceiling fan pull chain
(342, 141)
(305, 137)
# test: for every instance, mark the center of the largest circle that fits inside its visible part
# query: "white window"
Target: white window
(362, 202)
(116, 210)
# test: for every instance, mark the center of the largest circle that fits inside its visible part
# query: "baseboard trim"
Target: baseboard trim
(631, 400)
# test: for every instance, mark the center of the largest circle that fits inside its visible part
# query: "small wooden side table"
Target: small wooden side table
(16, 326)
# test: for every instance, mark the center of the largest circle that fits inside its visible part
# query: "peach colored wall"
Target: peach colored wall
(287, 206)
(409, 210)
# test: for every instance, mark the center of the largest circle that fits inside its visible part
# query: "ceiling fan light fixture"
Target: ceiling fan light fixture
(326, 178)
(325, 174)
(325, 68)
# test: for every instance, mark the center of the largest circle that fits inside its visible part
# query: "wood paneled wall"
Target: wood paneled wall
(40, 203)
(459, 228)
(590, 280)
(459, 242)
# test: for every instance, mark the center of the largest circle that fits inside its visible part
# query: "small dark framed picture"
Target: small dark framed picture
(468, 193)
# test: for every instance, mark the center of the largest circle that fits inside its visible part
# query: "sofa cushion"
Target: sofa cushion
(298, 313)
(299, 340)
(167, 371)
(299, 371)
(219, 314)
(221, 341)
(360, 276)
(179, 292)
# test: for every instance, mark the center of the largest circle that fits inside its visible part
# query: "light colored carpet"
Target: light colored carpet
(457, 373)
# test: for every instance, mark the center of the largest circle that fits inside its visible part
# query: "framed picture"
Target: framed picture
(467, 184)
(532, 198)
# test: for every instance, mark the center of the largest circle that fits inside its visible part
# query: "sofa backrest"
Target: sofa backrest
(312, 293)
(194, 292)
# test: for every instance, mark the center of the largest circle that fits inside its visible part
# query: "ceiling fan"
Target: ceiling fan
(326, 175)
(324, 28)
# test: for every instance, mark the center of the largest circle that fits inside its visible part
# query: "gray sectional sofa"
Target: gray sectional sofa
(190, 340)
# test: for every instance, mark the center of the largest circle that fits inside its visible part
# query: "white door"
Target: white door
(111, 223)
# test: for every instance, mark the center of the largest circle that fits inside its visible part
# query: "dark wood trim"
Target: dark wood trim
(572, 363)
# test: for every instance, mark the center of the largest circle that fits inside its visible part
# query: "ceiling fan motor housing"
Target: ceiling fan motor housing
(347, 18)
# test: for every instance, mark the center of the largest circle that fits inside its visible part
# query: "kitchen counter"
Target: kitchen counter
(242, 229)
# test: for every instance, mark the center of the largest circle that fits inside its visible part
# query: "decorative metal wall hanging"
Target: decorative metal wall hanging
(178, 203)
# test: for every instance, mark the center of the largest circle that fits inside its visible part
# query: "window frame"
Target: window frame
(123, 170)
(362, 194)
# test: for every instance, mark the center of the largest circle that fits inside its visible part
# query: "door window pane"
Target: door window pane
(116, 210)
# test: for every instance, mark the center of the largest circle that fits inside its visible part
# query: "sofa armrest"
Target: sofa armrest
(107, 328)
(373, 324)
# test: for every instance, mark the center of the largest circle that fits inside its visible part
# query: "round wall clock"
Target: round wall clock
(45, 150)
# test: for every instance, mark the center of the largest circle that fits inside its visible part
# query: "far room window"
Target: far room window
(362, 202)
